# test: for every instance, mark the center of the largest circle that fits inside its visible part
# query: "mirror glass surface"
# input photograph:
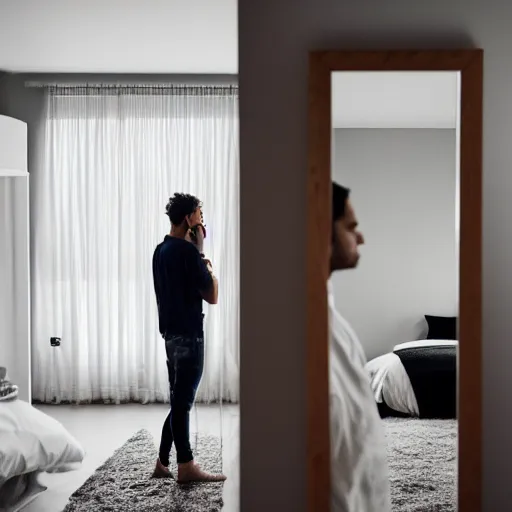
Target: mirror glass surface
(394, 289)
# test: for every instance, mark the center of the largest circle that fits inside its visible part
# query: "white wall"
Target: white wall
(403, 189)
(119, 36)
(275, 37)
(394, 99)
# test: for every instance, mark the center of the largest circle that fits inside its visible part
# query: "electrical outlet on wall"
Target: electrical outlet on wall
(55, 342)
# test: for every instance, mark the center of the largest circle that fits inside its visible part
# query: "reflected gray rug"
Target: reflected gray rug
(124, 484)
(422, 464)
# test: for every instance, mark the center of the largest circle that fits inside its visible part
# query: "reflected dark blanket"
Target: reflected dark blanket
(433, 375)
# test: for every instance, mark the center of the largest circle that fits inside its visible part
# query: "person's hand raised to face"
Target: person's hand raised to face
(197, 230)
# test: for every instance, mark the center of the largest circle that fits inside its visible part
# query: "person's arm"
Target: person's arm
(212, 294)
(155, 278)
(203, 277)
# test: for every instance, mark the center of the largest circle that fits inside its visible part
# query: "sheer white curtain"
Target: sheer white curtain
(112, 158)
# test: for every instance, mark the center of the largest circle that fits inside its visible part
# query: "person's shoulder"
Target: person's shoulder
(173, 248)
(187, 247)
(158, 249)
(166, 248)
(184, 249)
(174, 243)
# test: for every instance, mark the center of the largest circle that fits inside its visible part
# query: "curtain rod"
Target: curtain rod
(99, 85)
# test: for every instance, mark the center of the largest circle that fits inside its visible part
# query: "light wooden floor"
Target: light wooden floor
(103, 428)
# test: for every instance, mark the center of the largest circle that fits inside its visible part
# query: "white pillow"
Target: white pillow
(426, 343)
(33, 441)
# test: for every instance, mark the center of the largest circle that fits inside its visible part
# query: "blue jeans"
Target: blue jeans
(185, 362)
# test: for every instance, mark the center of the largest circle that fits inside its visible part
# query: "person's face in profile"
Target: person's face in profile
(346, 241)
(195, 218)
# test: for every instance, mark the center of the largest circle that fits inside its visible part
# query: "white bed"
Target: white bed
(390, 382)
(31, 442)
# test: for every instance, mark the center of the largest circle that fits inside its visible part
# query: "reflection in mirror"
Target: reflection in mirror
(393, 292)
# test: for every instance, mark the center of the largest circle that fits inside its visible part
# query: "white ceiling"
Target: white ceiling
(394, 99)
(119, 36)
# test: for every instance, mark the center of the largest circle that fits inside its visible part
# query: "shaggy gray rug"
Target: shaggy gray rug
(422, 464)
(124, 484)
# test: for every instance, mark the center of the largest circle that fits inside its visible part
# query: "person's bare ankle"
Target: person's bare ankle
(191, 472)
(161, 471)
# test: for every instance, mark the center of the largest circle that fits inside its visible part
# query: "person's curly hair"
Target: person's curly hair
(181, 205)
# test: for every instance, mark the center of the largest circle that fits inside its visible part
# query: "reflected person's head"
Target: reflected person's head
(346, 238)
(184, 211)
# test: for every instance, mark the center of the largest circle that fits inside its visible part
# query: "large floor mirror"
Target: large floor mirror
(400, 134)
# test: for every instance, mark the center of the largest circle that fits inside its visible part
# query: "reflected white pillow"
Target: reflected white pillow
(425, 343)
(33, 441)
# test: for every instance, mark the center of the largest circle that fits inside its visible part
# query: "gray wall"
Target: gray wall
(28, 106)
(403, 190)
(24, 104)
(7, 307)
(274, 39)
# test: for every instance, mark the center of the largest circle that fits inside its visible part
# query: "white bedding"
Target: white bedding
(32, 442)
(19, 491)
(390, 383)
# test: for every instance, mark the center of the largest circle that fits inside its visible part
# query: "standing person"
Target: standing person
(359, 469)
(183, 278)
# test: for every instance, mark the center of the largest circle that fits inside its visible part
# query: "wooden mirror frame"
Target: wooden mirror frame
(470, 65)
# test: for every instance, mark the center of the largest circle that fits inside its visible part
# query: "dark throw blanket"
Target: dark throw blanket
(433, 375)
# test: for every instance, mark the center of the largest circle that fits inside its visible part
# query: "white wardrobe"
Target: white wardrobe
(15, 255)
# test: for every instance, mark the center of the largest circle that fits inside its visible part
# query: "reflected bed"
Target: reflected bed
(416, 379)
(415, 387)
